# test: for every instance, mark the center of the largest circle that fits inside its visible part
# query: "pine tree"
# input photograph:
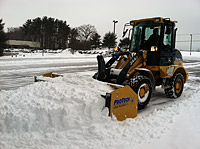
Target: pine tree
(109, 40)
(96, 41)
(51, 33)
(124, 43)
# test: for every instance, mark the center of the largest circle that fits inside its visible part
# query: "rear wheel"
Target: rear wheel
(176, 86)
(142, 86)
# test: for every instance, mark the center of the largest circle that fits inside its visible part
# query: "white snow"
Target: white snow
(193, 56)
(63, 53)
(67, 112)
(183, 134)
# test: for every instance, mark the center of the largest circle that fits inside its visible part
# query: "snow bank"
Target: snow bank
(45, 105)
(67, 112)
(63, 53)
(67, 104)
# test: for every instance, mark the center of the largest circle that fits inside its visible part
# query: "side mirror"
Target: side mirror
(124, 33)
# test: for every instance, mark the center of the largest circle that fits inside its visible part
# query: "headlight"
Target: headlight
(154, 48)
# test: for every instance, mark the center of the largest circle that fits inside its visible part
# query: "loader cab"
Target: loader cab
(157, 36)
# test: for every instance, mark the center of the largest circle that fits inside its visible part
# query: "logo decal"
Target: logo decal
(121, 102)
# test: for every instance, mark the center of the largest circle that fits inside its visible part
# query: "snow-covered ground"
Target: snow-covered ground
(18, 71)
(67, 112)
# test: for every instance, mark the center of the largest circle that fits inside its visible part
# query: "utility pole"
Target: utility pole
(191, 44)
(114, 21)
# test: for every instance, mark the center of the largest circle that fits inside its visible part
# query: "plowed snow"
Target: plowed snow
(67, 113)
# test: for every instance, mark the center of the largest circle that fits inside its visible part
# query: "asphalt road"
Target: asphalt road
(18, 72)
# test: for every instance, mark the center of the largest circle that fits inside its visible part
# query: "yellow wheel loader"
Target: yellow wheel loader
(151, 60)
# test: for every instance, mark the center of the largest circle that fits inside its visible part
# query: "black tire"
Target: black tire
(176, 86)
(137, 83)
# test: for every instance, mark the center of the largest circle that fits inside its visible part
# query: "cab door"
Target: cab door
(153, 48)
(166, 53)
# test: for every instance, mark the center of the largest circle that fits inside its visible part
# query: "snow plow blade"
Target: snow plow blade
(122, 103)
(51, 75)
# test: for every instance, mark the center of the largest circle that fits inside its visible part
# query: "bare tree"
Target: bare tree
(85, 32)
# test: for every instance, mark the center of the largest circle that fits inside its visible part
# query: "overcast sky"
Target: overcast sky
(101, 13)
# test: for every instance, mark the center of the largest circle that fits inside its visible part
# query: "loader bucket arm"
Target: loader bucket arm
(101, 68)
(135, 61)
(115, 57)
(104, 68)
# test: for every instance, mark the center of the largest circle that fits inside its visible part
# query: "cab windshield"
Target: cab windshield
(145, 35)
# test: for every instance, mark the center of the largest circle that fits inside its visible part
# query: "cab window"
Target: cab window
(149, 32)
(167, 41)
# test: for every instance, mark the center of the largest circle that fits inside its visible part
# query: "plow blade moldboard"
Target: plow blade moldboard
(46, 75)
(122, 103)
(51, 75)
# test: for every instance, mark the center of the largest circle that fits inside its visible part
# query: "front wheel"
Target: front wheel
(176, 86)
(142, 86)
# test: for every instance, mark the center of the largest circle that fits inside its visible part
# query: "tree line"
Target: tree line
(3, 37)
(57, 34)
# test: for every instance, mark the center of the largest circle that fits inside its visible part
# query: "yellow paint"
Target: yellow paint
(121, 63)
(179, 63)
(132, 69)
(51, 75)
(183, 71)
(178, 86)
(143, 91)
(144, 54)
(127, 108)
(150, 19)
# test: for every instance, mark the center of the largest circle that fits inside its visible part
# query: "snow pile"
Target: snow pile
(67, 112)
(61, 53)
(66, 52)
(45, 105)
